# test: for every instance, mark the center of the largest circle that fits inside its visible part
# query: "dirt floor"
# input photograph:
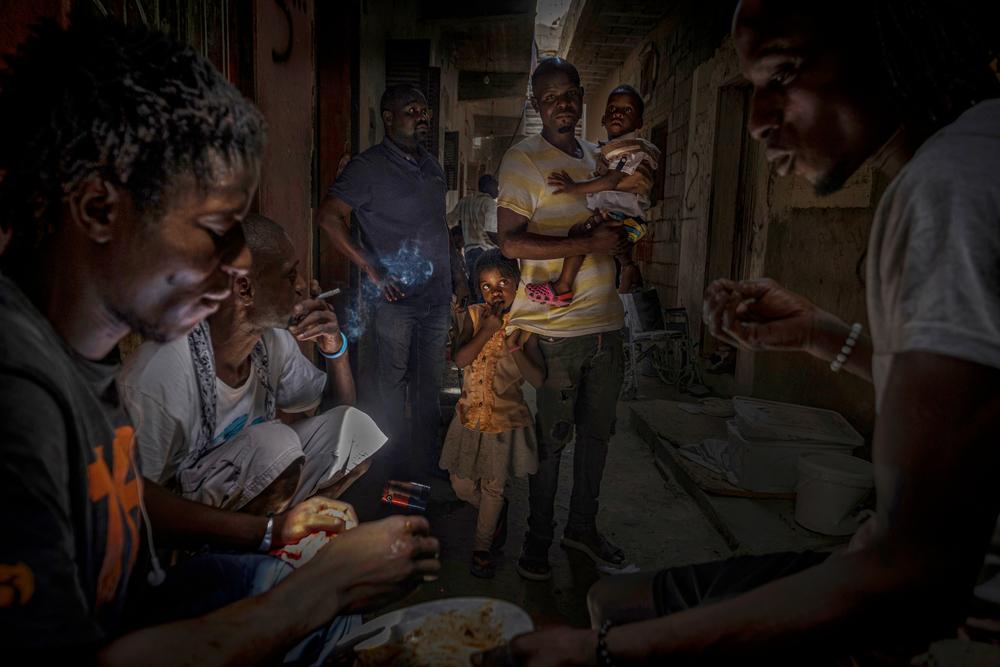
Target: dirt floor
(655, 522)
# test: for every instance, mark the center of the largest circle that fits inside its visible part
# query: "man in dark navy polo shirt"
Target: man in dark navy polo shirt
(396, 191)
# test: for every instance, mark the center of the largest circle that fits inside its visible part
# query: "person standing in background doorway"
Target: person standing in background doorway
(396, 192)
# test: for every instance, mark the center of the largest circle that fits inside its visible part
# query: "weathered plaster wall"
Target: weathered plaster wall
(686, 38)
(810, 244)
(286, 94)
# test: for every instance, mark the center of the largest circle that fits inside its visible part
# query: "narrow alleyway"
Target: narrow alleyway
(656, 522)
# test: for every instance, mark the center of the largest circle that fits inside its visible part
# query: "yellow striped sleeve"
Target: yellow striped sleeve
(518, 179)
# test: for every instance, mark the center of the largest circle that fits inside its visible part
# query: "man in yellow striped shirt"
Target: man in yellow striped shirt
(581, 343)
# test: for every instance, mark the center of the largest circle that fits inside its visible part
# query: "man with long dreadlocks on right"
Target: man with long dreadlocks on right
(906, 87)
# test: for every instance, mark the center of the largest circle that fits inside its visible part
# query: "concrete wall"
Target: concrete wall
(687, 37)
(812, 245)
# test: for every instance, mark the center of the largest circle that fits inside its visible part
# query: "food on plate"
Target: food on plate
(444, 639)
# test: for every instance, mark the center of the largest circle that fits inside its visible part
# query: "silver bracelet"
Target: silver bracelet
(848, 347)
(265, 544)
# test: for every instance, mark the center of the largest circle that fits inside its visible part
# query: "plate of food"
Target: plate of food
(441, 633)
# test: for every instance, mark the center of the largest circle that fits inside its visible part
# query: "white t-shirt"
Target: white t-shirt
(159, 390)
(933, 276)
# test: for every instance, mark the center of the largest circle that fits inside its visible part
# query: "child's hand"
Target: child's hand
(516, 339)
(562, 182)
(493, 318)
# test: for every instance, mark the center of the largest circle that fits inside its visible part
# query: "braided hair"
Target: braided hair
(124, 104)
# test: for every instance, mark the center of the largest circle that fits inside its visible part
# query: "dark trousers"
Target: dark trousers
(680, 588)
(583, 379)
(411, 337)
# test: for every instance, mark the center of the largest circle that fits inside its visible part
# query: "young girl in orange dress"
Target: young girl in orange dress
(492, 436)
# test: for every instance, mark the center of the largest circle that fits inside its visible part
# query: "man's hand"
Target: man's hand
(760, 315)
(607, 237)
(562, 182)
(388, 286)
(309, 517)
(552, 647)
(381, 560)
(313, 319)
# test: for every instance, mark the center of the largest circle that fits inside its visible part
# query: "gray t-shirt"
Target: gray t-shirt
(399, 202)
(69, 493)
(934, 252)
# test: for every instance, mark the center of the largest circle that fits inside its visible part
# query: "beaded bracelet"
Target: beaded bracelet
(603, 654)
(338, 353)
(848, 347)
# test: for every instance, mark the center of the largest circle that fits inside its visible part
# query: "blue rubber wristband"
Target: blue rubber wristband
(338, 353)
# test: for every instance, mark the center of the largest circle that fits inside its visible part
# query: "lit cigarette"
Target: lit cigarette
(328, 294)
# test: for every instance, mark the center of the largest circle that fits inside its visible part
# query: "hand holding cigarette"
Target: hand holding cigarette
(314, 319)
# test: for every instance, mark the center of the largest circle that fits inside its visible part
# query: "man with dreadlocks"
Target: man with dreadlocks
(910, 91)
(128, 163)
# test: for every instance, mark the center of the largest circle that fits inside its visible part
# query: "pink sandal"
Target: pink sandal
(546, 293)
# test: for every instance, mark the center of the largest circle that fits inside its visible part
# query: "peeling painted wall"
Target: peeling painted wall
(812, 245)
(285, 91)
(683, 40)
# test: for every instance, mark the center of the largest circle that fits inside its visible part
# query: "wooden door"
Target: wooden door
(736, 168)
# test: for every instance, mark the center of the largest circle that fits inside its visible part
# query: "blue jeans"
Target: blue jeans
(208, 582)
(411, 338)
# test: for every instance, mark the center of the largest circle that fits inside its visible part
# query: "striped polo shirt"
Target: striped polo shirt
(596, 306)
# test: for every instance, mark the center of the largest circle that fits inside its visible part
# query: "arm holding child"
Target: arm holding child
(563, 182)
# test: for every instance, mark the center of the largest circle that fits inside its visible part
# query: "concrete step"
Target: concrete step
(747, 525)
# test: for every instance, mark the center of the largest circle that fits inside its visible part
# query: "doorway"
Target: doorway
(736, 167)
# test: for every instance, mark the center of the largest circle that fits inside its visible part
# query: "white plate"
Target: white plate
(513, 620)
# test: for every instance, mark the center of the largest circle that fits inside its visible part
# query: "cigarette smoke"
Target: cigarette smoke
(410, 269)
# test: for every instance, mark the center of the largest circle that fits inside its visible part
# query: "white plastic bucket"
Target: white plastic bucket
(771, 466)
(829, 489)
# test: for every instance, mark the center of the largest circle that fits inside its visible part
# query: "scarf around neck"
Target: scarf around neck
(200, 342)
